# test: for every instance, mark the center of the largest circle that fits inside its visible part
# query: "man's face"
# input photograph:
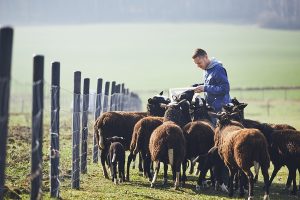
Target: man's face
(201, 62)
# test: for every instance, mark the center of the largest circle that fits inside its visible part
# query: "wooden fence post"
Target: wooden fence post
(122, 96)
(106, 95)
(37, 127)
(54, 148)
(97, 114)
(84, 132)
(6, 40)
(76, 131)
(112, 96)
(117, 99)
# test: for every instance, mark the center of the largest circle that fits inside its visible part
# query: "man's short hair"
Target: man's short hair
(199, 53)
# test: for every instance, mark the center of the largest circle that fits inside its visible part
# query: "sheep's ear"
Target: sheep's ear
(235, 101)
(161, 93)
(242, 106)
(150, 100)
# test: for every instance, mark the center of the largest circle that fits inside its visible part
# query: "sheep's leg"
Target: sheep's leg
(176, 170)
(256, 169)
(140, 163)
(121, 168)
(184, 166)
(236, 180)
(192, 167)
(133, 159)
(299, 177)
(251, 184)
(147, 163)
(288, 182)
(293, 176)
(129, 159)
(103, 159)
(275, 171)
(114, 172)
(212, 176)
(202, 175)
(242, 180)
(265, 174)
(230, 182)
(165, 174)
(156, 163)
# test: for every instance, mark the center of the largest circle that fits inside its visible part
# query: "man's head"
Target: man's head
(201, 59)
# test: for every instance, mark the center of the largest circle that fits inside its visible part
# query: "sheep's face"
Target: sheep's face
(177, 113)
(173, 113)
(201, 111)
(223, 119)
(154, 108)
(239, 106)
(187, 95)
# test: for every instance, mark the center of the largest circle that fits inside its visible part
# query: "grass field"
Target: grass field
(93, 185)
(148, 58)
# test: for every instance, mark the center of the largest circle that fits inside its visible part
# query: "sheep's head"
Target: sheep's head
(239, 106)
(202, 110)
(187, 95)
(236, 112)
(110, 140)
(153, 106)
(226, 119)
(178, 112)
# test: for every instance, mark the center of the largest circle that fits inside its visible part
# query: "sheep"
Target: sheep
(116, 157)
(167, 142)
(201, 113)
(266, 128)
(199, 138)
(213, 161)
(121, 124)
(140, 142)
(240, 147)
(286, 151)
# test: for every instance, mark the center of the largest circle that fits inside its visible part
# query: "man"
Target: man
(216, 85)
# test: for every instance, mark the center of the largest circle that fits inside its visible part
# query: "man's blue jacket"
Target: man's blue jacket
(216, 85)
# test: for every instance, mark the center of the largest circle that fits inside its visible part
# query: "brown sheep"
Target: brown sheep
(167, 142)
(240, 148)
(167, 145)
(122, 123)
(199, 140)
(140, 142)
(286, 151)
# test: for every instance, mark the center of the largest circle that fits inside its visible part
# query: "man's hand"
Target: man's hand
(199, 89)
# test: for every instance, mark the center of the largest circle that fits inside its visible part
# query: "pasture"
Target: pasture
(148, 58)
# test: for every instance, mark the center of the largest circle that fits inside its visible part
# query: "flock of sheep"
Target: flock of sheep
(183, 132)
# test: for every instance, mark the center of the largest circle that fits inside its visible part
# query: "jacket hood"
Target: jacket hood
(213, 62)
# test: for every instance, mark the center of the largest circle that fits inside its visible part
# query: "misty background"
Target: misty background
(283, 14)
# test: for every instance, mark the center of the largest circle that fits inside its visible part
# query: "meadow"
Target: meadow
(148, 58)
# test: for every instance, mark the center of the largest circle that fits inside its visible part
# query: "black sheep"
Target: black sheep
(116, 157)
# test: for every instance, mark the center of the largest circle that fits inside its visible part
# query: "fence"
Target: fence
(46, 100)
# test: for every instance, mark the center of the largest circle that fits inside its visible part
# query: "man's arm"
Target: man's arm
(222, 86)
